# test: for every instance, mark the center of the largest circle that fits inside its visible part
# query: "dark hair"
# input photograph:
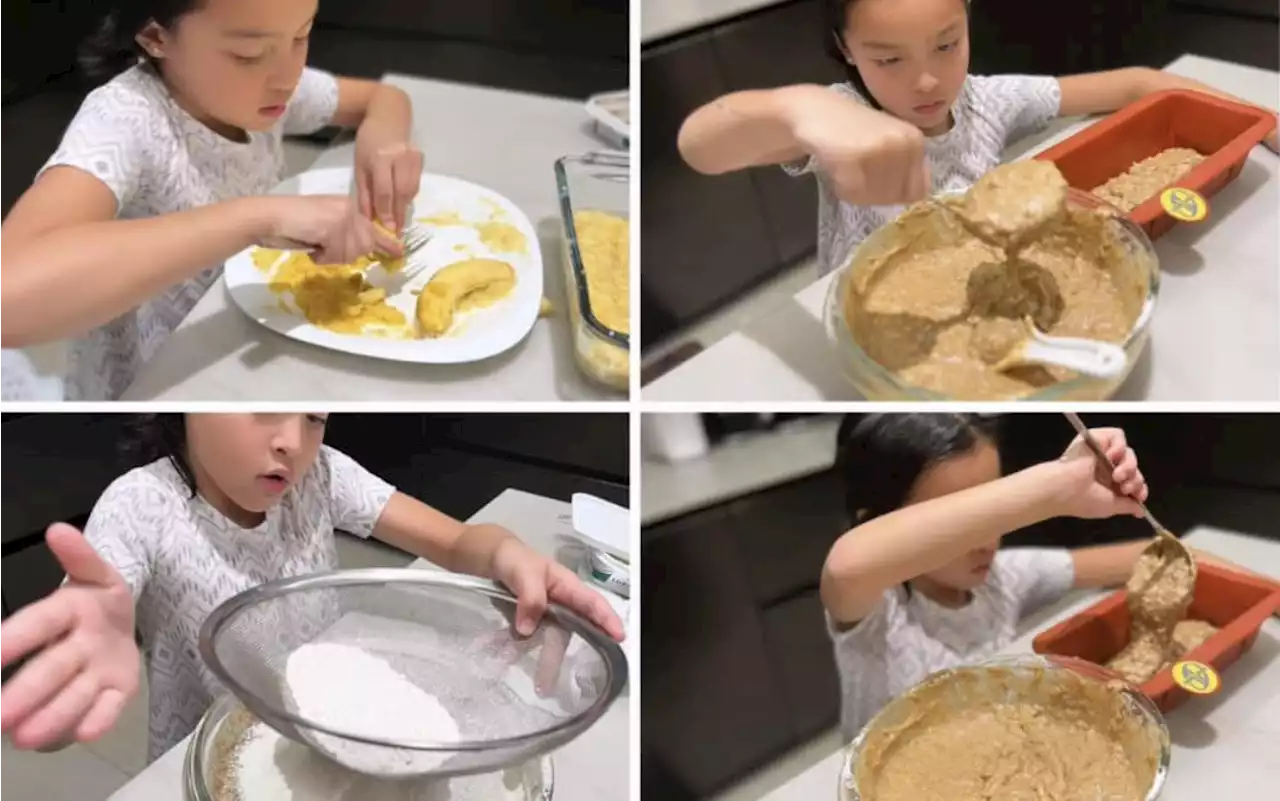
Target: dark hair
(161, 436)
(880, 456)
(113, 48)
(835, 15)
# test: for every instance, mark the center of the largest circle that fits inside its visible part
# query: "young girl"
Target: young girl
(909, 122)
(920, 584)
(231, 501)
(164, 173)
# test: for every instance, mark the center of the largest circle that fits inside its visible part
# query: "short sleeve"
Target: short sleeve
(313, 105)
(357, 497)
(106, 140)
(1016, 105)
(1035, 577)
(128, 522)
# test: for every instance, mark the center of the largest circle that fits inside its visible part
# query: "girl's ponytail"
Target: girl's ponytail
(113, 47)
(110, 50)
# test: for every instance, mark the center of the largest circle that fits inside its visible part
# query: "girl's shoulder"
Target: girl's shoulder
(136, 92)
(152, 487)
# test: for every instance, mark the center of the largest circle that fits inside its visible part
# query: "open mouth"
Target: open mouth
(272, 111)
(274, 483)
(929, 108)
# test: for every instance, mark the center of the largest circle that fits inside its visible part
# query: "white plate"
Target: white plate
(476, 335)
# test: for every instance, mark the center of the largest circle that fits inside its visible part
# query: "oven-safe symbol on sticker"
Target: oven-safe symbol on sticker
(1184, 204)
(1196, 677)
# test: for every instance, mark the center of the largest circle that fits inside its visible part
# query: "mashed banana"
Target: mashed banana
(334, 297)
(470, 284)
(1144, 179)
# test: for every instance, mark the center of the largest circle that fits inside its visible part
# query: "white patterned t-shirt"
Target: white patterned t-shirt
(989, 113)
(182, 558)
(157, 159)
(908, 636)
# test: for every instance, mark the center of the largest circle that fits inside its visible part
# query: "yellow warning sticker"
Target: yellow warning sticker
(1196, 677)
(1184, 204)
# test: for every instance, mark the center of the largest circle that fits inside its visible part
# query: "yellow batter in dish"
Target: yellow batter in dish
(1144, 179)
(996, 734)
(604, 243)
(470, 284)
(337, 298)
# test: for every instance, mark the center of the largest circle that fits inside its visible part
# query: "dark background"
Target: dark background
(59, 464)
(569, 48)
(737, 664)
(709, 240)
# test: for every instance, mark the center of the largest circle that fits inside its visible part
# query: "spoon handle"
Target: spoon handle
(1089, 440)
(1091, 357)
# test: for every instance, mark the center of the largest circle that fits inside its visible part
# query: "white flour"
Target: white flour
(351, 690)
(272, 768)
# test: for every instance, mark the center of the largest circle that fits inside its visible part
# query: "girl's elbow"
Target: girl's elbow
(696, 157)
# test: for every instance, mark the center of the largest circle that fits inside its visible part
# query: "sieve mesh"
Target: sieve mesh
(513, 699)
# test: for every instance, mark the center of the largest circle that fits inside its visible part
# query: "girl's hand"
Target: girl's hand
(330, 225)
(536, 580)
(871, 158)
(388, 172)
(1090, 491)
(88, 665)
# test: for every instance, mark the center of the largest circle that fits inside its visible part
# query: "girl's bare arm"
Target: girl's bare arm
(70, 266)
(1110, 565)
(923, 537)
(744, 129)
(410, 525)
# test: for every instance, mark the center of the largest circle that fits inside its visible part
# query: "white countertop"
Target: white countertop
(1215, 335)
(507, 141)
(659, 18)
(743, 464)
(1224, 746)
(594, 767)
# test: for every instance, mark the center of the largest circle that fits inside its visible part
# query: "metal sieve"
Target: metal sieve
(514, 699)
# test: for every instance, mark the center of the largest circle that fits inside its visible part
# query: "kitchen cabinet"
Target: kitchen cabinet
(737, 665)
(704, 237)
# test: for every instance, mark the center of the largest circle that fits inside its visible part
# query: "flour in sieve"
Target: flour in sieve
(348, 689)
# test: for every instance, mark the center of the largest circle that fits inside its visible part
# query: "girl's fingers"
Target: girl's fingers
(102, 715)
(554, 646)
(531, 605)
(407, 177)
(364, 197)
(35, 626)
(382, 242)
(78, 557)
(41, 679)
(571, 592)
(60, 716)
(382, 187)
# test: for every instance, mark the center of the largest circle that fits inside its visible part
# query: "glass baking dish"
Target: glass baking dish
(594, 182)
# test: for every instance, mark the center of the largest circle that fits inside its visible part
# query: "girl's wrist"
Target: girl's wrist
(1053, 488)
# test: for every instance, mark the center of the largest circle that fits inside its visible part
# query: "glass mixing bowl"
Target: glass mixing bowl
(875, 382)
(1154, 743)
(215, 738)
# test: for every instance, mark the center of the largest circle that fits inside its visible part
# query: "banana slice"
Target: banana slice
(469, 284)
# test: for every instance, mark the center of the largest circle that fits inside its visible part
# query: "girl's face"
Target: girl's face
(243, 463)
(912, 54)
(978, 466)
(233, 64)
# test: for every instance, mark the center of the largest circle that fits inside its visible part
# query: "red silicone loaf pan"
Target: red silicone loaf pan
(1221, 130)
(1236, 603)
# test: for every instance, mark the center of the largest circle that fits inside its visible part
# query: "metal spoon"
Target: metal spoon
(1164, 537)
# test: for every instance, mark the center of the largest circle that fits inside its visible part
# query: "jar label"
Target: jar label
(1184, 204)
